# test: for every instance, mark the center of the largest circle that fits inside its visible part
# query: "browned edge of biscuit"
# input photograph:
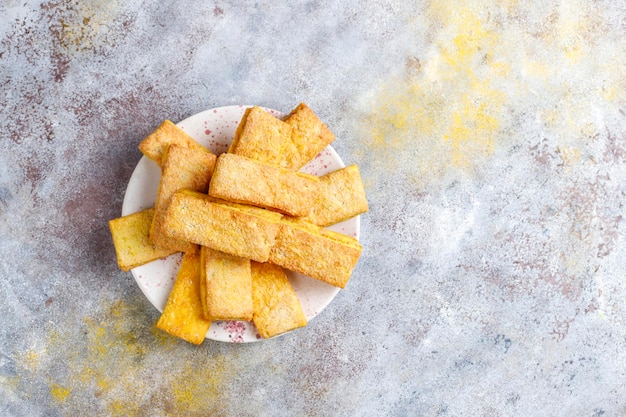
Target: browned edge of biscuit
(240, 128)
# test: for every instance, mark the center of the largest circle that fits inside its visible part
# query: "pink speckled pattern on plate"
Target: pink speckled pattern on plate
(215, 128)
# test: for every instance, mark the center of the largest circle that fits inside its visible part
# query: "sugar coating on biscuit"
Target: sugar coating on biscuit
(244, 180)
(309, 136)
(182, 168)
(276, 306)
(166, 134)
(321, 254)
(226, 288)
(131, 240)
(182, 316)
(236, 229)
(287, 144)
(341, 197)
(261, 136)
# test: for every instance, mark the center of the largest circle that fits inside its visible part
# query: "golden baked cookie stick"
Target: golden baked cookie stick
(287, 144)
(276, 306)
(226, 288)
(130, 235)
(156, 143)
(321, 254)
(182, 168)
(182, 316)
(261, 136)
(236, 229)
(309, 136)
(244, 180)
(342, 196)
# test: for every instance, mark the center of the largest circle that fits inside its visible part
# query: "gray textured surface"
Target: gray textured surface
(492, 142)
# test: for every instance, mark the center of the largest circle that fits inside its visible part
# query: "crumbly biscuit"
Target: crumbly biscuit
(247, 181)
(156, 143)
(182, 168)
(182, 316)
(287, 144)
(130, 235)
(236, 229)
(226, 288)
(342, 196)
(276, 306)
(309, 136)
(261, 136)
(321, 254)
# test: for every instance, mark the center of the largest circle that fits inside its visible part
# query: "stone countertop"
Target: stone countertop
(491, 138)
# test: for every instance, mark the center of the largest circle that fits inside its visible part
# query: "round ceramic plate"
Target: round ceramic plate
(215, 129)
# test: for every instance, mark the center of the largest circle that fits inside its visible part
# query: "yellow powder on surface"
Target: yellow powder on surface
(444, 112)
(455, 104)
(59, 392)
(129, 368)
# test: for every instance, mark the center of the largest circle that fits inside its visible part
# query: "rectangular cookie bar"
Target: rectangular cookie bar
(155, 144)
(130, 235)
(342, 196)
(182, 168)
(261, 136)
(276, 306)
(244, 180)
(182, 316)
(226, 289)
(309, 136)
(287, 144)
(321, 254)
(236, 229)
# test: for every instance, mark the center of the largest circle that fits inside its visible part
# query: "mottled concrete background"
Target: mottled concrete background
(492, 142)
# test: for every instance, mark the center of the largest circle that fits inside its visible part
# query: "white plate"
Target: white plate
(215, 129)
